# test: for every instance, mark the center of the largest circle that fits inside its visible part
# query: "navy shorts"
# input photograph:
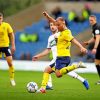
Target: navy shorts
(6, 51)
(62, 62)
(52, 65)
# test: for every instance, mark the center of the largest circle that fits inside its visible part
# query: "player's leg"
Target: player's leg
(49, 84)
(11, 70)
(45, 79)
(72, 67)
(63, 68)
(9, 60)
(97, 63)
(80, 78)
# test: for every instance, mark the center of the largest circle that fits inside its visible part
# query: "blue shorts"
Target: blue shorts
(6, 51)
(62, 62)
(52, 65)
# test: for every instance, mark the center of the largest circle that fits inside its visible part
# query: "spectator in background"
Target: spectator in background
(26, 37)
(86, 12)
(81, 16)
(87, 7)
(25, 56)
(56, 12)
(71, 15)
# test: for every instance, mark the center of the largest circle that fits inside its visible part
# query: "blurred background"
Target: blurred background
(32, 29)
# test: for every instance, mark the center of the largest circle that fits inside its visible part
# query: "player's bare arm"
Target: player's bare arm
(82, 49)
(12, 39)
(49, 17)
(43, 53)
(88, 42)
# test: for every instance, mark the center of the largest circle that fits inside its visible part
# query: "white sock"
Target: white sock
(49, 81)
(75, 75)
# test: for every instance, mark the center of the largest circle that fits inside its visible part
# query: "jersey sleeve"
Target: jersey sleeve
(68, 36)
(48, 45)
(9, 28)
(97, 31)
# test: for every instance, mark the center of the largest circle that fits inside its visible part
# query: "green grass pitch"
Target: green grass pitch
(65, 88)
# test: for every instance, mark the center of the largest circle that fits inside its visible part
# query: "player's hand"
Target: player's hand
(83, 50)
(45, 13)
(94, 51)
(13, 48)
(85, 43)
(34, 58)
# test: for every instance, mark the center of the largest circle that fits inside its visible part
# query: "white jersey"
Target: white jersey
(52, 46)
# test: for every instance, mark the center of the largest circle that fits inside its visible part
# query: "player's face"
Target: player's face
(60, 25)
(53, 27)
(92, 20)
(1, 19)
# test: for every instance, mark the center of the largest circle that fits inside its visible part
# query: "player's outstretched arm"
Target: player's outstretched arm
(43, 53)
(82, 49)
(51, 19)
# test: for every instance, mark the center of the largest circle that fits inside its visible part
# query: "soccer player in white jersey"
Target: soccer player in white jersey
(50, 68)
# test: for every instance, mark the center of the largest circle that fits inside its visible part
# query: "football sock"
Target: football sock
(11, 72)
(98, 69)
(75, 75)
(49, 81)
(67, 69)
(45, 80)
(0, 54)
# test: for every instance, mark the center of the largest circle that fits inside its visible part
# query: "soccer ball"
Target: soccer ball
(32, 87)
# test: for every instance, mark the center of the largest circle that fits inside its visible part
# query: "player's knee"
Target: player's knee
(58, 75)
(10, 64)
(9, 61)
(48, 70)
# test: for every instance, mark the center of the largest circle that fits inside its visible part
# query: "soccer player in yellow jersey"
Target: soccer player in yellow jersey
(7, 35)
(51, 68)
(64, 40)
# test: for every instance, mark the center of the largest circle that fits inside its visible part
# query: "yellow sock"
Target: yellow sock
(67, 69)
(45, 80)
(11, 72)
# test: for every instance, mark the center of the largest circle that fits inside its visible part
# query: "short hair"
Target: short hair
(60, 18)
(93, 16)
(1, 14)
